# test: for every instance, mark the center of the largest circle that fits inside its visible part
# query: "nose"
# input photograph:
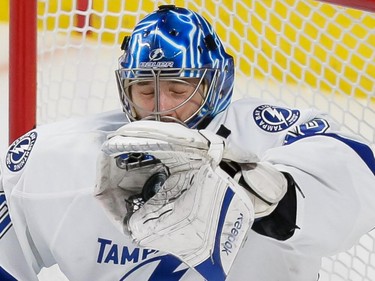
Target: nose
(165, 100)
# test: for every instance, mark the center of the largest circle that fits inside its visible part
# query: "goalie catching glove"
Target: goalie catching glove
(162, 184)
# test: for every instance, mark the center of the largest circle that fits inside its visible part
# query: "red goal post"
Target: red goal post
(302, 53)
(22, 67)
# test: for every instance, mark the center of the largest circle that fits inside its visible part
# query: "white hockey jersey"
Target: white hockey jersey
(49, 214)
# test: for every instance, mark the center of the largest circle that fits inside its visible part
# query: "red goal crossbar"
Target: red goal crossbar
(365, 5)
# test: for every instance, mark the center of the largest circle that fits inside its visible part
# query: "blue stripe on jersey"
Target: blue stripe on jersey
(211, 268)
(361, 149)
(5, 224)
(5, 276)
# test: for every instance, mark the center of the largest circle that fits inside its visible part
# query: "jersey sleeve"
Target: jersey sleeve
(335, 175)
(13, 263)
(43, 172)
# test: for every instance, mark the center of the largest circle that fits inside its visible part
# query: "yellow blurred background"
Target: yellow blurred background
(327, 51)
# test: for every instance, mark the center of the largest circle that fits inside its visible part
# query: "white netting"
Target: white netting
(301, 53)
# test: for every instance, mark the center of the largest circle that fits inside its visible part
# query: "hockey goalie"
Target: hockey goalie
(182, 183)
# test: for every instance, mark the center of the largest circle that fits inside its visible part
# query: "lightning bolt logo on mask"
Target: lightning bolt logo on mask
(275, 119)
(19, 151)
(156, 54)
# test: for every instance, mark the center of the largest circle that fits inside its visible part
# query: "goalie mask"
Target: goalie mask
(174, 68)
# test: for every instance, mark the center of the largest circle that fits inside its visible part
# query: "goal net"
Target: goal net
(300, 53)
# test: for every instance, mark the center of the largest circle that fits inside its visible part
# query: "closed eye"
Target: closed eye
(147, 93)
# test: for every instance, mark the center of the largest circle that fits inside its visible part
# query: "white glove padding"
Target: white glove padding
(204, 142)
(200, 214)
(120, 179)
(121, 176)
(267, 186)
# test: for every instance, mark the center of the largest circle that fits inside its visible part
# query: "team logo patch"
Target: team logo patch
(274, 119)
(19, 151)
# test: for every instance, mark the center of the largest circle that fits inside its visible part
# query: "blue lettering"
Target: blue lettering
(110, 252)
(126, 256)
(112, 255)
(146, 252)
(103, 243)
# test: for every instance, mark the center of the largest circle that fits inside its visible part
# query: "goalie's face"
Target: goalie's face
(169, 100)
(174, 45)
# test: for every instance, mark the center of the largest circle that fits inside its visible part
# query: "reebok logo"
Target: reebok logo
(229, 243)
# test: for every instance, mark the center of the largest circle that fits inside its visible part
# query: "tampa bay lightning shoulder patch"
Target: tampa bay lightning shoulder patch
(274, 119)
(19, 151)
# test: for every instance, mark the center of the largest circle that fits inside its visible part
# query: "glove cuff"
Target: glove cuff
(264, 184)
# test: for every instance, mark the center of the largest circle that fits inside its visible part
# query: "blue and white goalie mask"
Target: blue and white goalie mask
(174, 69)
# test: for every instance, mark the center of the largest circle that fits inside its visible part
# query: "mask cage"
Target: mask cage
(128, 77)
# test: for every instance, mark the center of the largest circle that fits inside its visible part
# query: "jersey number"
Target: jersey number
(5, 222)
(313, 127)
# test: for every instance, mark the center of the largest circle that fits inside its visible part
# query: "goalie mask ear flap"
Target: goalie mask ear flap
(223, 131)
